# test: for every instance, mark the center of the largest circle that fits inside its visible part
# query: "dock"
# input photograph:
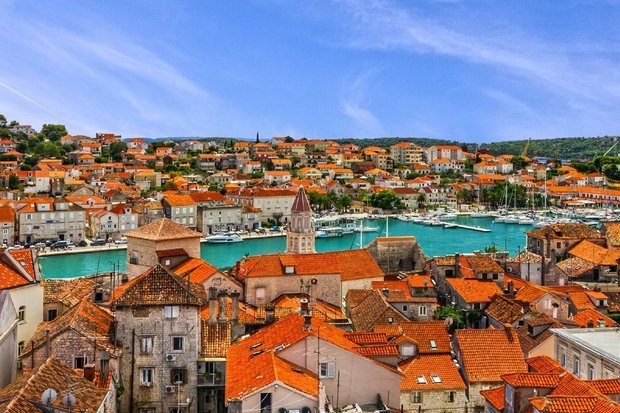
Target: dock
(453, 225)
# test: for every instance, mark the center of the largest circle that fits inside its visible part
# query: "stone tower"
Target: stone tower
(300, 234)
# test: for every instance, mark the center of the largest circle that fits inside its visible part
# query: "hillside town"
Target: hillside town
(379, 328)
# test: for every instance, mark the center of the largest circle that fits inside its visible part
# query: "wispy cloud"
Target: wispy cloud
(355, 104)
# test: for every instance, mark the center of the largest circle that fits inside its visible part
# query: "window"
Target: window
(496, 276)
(79, 362)
(178, 375)
(576, 365)
(52, 314)
(171, 311)
(260, 293)
(416, 397)
(407, 350)
(146, 345)
(327, 370)
(21, 313)
(435, 378)
(422, 310)
(20, 347)
(562, 358)
(421, 379)
(450, 396)
(433, 344)
(146, 377)
(590, 372)
(177, 343)
(405, 308)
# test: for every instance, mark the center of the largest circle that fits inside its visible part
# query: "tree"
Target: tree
(117, 149)
(518, 162)
(47, 149)
(386, 199)
(464, 196)
(2, 121)
(13, 181)
(53, 132)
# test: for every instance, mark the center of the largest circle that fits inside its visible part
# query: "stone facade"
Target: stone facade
(262, 290)
(8, 339)
(447, 401)
(150, 365)
(396, 254)
(300, 235)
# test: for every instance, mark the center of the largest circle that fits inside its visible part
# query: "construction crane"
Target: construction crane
(527, 145)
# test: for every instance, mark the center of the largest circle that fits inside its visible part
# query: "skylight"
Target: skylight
(421, 380)
(256, 345)
(435, 378)
(433, 345)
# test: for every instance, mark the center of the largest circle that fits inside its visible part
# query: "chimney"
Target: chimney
(305, 307)
(235, 306)
(221, 317)
(307, 321)
(89, 372)
(270, 314)
(511, 289)
(456, 265)
(590, 324)
(508, 329)
(212, 305)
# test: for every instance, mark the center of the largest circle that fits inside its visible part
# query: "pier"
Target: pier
(453, 225)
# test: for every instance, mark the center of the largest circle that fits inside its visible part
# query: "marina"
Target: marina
(466, 235)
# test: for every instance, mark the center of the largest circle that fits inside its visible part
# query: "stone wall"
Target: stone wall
(434, 402)
(133, 324)
(397, 254)
(327, 287)
(142, 253)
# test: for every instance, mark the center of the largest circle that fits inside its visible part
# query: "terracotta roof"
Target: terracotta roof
(7, 214)
(378, 350)
(369, 307)
(162, 229)
(581, 301)
(420, 281)
(575, 267)
(473, 290)
(68, 292)
(438, 370)
(51, 374)
(589, 315)
(606, 386)
(543, 364)
(484, 264)
(594, 253)
(9, 278)
(158, 286)
(545, 380)
(215, 339)
(86, 318)
(253, 363)
(505, 310)
(207, 196)
(321, 309)
(496, 397)
(367, 337)
(350, 264)
(574, 404)
(544, 324)
(526, 257)
(489, 354)
(612, 233)
(565, 231)
(179, 200)
(301, 203)
(199, 270)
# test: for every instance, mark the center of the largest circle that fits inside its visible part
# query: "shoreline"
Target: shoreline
(116, 247)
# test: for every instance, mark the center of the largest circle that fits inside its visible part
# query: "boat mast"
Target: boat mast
(387, 227)
(362, 234)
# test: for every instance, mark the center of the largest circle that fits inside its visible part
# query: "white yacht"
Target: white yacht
(224, 238)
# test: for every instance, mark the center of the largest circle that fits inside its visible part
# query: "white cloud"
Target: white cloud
(355, 103)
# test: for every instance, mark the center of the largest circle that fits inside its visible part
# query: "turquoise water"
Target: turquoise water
(434, 241)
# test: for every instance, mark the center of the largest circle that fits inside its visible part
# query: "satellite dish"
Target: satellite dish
(68, 400)
(49, 396)
(449, 321)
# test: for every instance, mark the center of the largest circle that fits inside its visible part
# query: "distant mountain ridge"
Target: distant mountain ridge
(561, 148)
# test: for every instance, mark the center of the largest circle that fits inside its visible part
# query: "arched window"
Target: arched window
(21, 313)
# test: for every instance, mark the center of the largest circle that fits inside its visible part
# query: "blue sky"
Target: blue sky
(469, 70)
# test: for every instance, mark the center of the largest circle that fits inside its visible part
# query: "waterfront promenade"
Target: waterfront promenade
(435, 240)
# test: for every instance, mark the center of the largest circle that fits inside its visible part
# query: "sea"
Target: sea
(434, 240)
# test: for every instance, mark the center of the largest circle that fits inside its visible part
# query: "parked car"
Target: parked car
(38, 245)
(82, 244)
(121, 241)
(61, 244)
(274, 229)
(98, 241)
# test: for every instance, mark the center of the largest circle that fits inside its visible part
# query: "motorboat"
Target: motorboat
(329, 232)
(224, 238)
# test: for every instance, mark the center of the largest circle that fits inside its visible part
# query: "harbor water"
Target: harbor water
(434, 240)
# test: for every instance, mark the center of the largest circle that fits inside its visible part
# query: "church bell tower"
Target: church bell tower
(300, 234)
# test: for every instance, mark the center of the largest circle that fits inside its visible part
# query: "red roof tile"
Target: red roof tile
(438, 370)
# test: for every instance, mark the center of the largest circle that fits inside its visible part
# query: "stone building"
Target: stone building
(554, 241)
(147, 244)
(78, 338)
(158, 327)
(180, 209)
(300, 235)
(215, 212)
(40, 219)
(397, 254)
